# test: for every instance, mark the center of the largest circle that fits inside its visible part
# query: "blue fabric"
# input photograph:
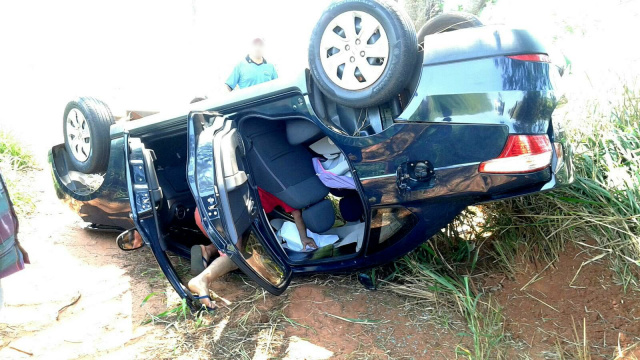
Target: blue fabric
(351, 207)
(278, 168)
(247, 73)
(319, 217)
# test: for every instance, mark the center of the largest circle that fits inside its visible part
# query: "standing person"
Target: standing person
(253, 69)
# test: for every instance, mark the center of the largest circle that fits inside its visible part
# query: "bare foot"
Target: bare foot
(137, 240)
(198, 287)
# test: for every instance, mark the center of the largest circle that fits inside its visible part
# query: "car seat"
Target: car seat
(284, 169)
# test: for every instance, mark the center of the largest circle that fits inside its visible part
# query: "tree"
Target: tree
(422, 10)
(475, 6)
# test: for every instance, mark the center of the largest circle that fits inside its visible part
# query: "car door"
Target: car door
(228, 203)
(145, 197)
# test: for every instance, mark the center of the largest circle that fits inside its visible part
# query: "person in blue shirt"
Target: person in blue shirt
(253, 70)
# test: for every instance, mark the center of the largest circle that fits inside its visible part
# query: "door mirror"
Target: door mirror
(129, 240)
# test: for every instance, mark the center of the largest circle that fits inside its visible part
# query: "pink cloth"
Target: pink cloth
(330, 179)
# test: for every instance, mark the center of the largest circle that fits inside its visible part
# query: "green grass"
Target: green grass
(15, 162)
(440, 272)
(12, 154)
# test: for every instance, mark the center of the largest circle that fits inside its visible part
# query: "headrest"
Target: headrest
(301, 131)
(319, 217)
(326, 148)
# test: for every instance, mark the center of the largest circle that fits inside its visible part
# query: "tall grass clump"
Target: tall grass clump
(440, 272)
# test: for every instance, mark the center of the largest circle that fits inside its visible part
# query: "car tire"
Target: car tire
(338, 46)
(86, 124)
(447, 22)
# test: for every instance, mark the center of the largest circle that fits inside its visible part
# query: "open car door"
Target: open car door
(145, 196)
(228, 202)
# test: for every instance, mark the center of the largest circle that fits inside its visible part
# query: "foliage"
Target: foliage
(15, 161)
(12, 154)
(420, 11)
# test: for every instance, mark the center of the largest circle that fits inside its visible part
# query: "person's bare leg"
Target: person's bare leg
(209, 251)
(200, 284)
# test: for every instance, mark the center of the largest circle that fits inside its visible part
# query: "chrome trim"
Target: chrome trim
(378, 176)
(438, 168)
(457, 166)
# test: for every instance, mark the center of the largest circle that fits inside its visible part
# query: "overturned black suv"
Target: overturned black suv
(407, 130)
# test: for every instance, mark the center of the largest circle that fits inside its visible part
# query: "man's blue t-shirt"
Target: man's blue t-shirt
(248, 73)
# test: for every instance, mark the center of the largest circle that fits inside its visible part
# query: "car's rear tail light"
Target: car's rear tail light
(531, 57)
(521, 154)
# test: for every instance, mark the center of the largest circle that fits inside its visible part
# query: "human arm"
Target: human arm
(302, 230)
(233, 79)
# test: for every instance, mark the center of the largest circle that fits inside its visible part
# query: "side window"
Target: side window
(388, 226)
(259, 259)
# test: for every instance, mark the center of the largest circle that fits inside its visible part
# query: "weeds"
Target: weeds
(434, 274)
(12, 154)
(15, 161)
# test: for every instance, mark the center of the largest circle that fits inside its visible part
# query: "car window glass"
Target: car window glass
(259, 259)
(388, 226)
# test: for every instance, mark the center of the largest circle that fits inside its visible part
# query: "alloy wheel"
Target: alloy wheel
(78, 135)
(354, 50)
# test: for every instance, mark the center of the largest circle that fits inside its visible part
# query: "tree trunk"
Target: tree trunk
(422, 10)
(475, 6)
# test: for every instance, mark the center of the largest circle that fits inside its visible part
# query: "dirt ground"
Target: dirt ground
(573, 306)
(314, 319)
(106, 321)
(318, 317)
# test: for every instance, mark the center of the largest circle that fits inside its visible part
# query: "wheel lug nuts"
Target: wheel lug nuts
(347, 47)
(357, 41)
(353, 59)
(362, 53)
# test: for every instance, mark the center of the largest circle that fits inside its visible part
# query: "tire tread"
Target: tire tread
(99, 119)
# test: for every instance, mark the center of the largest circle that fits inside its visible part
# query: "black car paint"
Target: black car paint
(460, 114)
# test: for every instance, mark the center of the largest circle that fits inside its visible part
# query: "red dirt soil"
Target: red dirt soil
(397, 334)
(552, 310)
(106, 321)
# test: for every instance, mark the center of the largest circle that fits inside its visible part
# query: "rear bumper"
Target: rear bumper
(98, 199)
(562, 165)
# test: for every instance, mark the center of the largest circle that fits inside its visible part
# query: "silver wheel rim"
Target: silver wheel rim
(78, 135)
(354, 50)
